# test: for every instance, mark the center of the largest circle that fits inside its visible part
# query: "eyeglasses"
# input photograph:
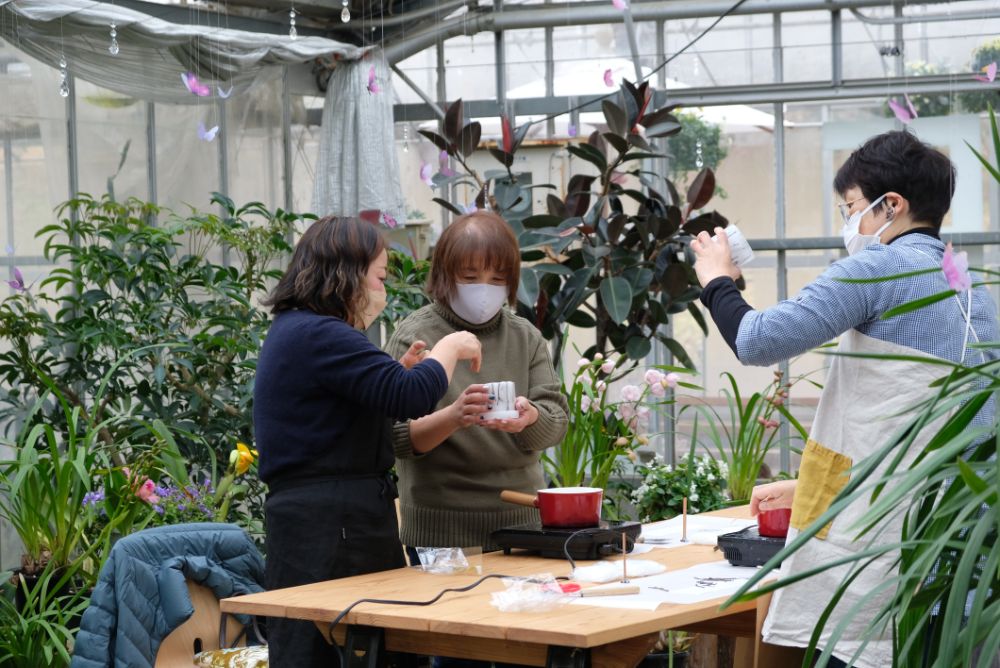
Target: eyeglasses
(845, 209)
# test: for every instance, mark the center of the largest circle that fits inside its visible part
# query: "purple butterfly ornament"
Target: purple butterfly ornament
(991, 73)
(373, 81)
(194, 86)
(904, 114)
(207, 135)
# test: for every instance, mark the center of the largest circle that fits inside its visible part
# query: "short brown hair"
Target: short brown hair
(483, 238)
(329, 269)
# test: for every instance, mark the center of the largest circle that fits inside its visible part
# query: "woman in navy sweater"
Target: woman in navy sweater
(323, 399)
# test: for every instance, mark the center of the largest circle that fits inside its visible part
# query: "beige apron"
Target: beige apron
(858, 412)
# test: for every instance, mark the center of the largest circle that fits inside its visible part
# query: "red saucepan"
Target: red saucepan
(562, 506)
(774, 523)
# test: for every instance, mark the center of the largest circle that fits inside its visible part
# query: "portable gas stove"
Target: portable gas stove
(588, 543)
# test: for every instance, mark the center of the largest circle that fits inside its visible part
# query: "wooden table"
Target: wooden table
(465, 625)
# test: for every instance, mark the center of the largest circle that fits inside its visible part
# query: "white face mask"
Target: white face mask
(854, 241)
(478, 302)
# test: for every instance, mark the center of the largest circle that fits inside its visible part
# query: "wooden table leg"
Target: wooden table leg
(623, 654)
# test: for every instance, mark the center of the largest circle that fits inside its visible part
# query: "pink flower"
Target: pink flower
(956, 269)
(608, 366)
(653, 377)
(657, 390)
(583, 362)
(608, 79)
(146, 492)
(626, 411)
(671, 379)
(585, 402)
(601, 386)
(631, 393)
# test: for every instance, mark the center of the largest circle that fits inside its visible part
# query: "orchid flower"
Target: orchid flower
(991, 73)
(956, 269)
(18, 282)
(241, 458)
(207, 135)
(194, 86)
(608, 79)
(904, 114)
(373, 81)
(147, 492)
(426, 172)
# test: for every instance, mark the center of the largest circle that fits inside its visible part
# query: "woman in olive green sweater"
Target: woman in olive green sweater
(453, 464)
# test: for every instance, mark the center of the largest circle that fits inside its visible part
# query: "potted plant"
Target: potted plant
(663, 487)
(602, 430)
(671, 650)
(743, 437)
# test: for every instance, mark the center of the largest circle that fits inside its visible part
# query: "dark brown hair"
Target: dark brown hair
(329, 268)
(479, 239)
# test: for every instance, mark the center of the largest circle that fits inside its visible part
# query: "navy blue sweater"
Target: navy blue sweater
(324, 395)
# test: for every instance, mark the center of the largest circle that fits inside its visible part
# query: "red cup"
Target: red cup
(774, 523)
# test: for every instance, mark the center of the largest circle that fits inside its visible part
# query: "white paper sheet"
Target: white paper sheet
(703, 582)
(701, 530)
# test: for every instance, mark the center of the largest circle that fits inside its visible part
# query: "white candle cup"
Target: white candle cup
(502, 401)
(739, 248)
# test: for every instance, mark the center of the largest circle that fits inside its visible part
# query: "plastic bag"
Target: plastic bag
(538, 593)
(443, 560)
(608, 571)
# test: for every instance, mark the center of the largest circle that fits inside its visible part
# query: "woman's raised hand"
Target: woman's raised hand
(772, 496)
(713, 257)
(458, 346)
(415, 355)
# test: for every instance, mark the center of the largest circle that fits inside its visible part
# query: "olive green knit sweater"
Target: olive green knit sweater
(450, 496)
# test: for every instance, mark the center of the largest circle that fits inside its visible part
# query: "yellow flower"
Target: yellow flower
(241, 458)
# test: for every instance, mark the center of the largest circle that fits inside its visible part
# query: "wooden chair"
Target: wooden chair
(199, 633)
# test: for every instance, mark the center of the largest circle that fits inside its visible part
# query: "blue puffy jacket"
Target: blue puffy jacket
(141, 594)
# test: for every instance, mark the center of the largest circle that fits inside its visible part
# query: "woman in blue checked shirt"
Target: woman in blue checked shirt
(896, 191)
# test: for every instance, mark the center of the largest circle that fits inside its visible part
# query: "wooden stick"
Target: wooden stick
(609, 591)
(684, 520)
(624, 558)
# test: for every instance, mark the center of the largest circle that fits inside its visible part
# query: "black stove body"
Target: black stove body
(584, 543)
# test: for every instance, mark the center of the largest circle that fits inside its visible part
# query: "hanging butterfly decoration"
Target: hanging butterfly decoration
(389, 220)
(572, 130)
(990, 73)
(372, 82)
(18, 282)
(224, 94)
(619, 5)
(194, 86)
(443, 167)
(608, 79)
(209, 134)
(904, 114)
(426, 174)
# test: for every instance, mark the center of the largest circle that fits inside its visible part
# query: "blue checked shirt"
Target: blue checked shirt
(827, 307)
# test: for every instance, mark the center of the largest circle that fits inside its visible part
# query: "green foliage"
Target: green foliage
(40, 634)
(124, 283)
(684, 146)
(406, 278)
(661, 493)
(604, 256)
(977, 101)
(750, 430)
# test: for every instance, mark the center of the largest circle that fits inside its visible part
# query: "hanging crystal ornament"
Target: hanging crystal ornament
(113, 47)
(63, 77)
(345, 13)
(699, 159)
(292, 32)
(406, 138)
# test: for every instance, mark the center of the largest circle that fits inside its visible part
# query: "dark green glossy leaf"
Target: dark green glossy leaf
(447, 205)
(616, 294)
(618, 142)
(581, 318)
(701, 189)
(590, 154)
(469, 139)
(637, 347)
(615, 117)
(436, 139)
(453, 122)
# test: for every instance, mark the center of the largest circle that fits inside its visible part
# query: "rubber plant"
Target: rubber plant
(604, 255)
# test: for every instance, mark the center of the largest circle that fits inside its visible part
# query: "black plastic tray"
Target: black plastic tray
(749, 548)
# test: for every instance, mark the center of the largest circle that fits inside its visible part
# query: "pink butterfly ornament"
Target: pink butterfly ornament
(209, 134)
(373, 81)
(991, 73)
(619, 5)
(956, 269)
(904, 114)
(426, 174)
(194, 86)
(389, 220)
(444, 170)
(18, 282)
(608, 79)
